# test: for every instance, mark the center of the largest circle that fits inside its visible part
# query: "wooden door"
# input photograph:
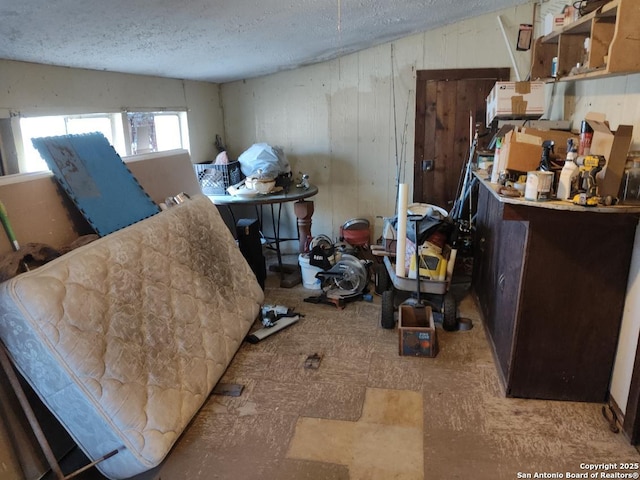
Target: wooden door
(448, 105)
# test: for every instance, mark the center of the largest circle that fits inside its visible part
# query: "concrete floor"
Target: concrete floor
(368, 413)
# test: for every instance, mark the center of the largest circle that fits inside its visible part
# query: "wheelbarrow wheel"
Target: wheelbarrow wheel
(383, 282)
(386, 316)
(449, 312)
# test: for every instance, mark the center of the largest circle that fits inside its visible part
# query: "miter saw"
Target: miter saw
(344, 282)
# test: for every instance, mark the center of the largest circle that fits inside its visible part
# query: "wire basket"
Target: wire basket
(215, 179)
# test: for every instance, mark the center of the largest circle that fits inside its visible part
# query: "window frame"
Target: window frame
(120, 129)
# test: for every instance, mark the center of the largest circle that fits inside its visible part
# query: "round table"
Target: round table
(292, 194)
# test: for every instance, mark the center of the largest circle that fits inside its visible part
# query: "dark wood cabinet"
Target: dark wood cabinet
(550, 281)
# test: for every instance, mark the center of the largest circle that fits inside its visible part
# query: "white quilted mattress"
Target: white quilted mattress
(124, 339)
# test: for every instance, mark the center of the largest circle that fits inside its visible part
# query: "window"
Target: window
(155, 131)
(130, 133)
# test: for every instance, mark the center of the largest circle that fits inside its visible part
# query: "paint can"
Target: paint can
(485, 159)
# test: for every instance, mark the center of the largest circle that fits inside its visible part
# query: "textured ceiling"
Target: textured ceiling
(214, 40)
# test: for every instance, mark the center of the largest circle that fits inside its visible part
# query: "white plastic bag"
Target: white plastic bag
(260, 156)
(222, 158)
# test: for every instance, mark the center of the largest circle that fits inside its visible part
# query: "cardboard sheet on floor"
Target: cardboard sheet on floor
(97, 180)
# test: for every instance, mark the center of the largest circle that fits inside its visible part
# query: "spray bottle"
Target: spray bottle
(545, 160)
(569, 173)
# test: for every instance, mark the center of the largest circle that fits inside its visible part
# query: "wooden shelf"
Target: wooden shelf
(613, 45)
(582, 25)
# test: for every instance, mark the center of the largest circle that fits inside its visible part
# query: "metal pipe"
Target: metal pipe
(506, 41)
(92, 464)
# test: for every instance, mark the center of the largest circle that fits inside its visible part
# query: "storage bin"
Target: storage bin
(215, 179)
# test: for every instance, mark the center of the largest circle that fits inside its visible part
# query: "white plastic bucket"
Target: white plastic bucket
(309, 271)
(538, 186)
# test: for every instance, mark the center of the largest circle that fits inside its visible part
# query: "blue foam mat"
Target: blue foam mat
(97, 180)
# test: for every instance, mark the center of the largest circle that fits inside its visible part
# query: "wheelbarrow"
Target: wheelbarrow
(395, 290)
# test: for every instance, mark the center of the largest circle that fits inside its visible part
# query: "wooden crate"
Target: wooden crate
(417, 332)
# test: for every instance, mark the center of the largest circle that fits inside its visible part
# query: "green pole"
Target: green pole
(4, 218)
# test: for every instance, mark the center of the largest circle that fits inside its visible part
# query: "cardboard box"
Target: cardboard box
(553, 22)
(614, 146)
(516, 99)
(417, 331)
(520, 152)
(522, 147)
(558, 137)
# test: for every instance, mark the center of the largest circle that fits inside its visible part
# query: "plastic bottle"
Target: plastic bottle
(568, 175)
(545, 160)
(495, 171)
(631, 183)
(585, 52)
(586, 134)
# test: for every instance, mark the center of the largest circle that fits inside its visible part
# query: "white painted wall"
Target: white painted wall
(335, 120)
(29, 89)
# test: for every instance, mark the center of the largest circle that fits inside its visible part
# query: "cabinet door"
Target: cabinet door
(481, 258)
(570, 304)
(509, 273)
(484, 277)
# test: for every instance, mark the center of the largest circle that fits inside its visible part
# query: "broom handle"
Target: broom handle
(4, 218)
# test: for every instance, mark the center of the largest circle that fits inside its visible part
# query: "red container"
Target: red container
(586, 135)
(356, 232)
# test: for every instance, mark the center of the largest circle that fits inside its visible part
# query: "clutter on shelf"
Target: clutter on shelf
(585, 168)
(259, 170)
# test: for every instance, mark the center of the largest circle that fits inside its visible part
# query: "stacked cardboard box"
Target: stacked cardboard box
(516, 100)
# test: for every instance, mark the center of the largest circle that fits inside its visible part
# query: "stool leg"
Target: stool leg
(304, 211)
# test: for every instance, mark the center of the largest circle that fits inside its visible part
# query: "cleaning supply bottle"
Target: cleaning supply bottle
(545, 159)
(586, 135)
(495, 171)
(569, 174)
